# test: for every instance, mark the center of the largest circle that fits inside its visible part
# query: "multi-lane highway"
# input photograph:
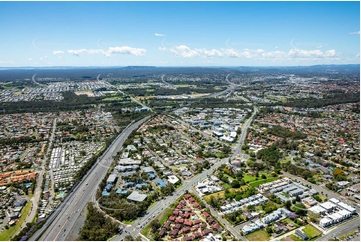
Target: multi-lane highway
(237, 150)
(60, 224)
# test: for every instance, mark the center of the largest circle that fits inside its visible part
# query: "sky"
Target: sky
(179, 33)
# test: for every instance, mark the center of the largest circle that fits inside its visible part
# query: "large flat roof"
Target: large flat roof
(137, 197)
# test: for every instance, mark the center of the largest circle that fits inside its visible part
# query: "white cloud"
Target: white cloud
(319, 47)
(58, 52)
(159, 35)
(357, 32)
(295, 53)
(209, 53)
(30, 59)
(358, 55)
(43, 58)
(112, 50)
(84, 51)
(184, 51)
(126, 50)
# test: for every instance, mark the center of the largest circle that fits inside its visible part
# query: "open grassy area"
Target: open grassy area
(259, 235)
(311, 231)
(8, 233)
(295, 237)
(248, 178)
(324, 198)
(260, 182)
(226, 186)
(220, 194)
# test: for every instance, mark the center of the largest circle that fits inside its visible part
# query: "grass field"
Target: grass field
(8, 233)
(220, 194)
(259, 235)
(311, 231)
(260, 182)
(248, 178)
(295, 237)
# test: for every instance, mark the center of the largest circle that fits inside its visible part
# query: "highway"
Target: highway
(231, 88)
(60, 224)
(237, 150)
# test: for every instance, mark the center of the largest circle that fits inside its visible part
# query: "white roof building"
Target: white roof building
(328, 205)
(173, 179)
(347, 207)
(317, 209)
(325, 222)
(334, 200)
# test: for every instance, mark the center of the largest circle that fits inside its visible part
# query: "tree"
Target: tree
(155, 225)
(288, 204)
(299, 209)
(235, 183)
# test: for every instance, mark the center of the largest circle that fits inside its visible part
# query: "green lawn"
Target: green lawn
(8, 233)
(248, 178)
(226, 186)
(220, 194)
(295, 237)
(260, 182)
(311, 231)
(259, 235)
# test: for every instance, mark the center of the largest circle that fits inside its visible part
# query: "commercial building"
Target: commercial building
(136, 197)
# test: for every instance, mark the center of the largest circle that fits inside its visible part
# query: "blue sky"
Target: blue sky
(179, 33)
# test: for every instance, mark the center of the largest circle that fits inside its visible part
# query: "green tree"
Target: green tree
(235, 183)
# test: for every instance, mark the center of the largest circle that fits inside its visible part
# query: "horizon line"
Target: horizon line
(111, 66)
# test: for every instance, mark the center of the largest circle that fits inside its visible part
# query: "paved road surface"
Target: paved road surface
(60, 224)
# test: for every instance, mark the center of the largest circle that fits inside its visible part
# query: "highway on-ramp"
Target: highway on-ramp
(60, 224)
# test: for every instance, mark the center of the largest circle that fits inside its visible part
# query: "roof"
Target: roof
(173, 179)
(161, 183)
(105, 193)
(20, 202)
(137, 197)
(317, 209)
(327, 205)
(148, 169)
